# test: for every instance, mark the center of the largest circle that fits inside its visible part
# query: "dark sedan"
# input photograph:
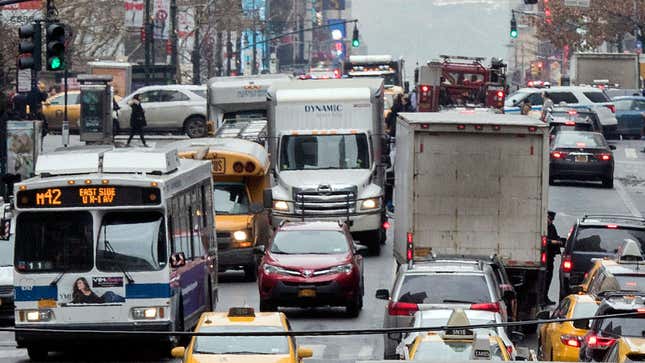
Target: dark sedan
(582, 155)
(629, 112)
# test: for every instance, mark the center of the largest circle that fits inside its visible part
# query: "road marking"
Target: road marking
(630, 153)
(622, 193)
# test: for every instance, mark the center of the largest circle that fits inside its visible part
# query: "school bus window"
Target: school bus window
(231, 198)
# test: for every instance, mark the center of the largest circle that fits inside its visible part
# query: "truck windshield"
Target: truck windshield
(230, 198)
(54, 242)
(311, 152)
(132, 241)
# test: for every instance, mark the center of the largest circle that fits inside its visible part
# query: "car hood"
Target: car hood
(6, 275)
(241, 358)
(336, 178)
(309, 261)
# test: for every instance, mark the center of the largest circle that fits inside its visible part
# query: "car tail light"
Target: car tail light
(336, 73)
(612, 108)
(570, 123)
(543, 258)
(567, 264)
(492, 307)
(571, 340)
(530, 84)
(572, 112)
(558, 155)
(509, 350)
(386, 225)
(544, 240)
(596, 342)
(612, 226)
(500, 94)
(425, 89)
(410, 247)
(402, 308)
(640, 310)
(604, 157)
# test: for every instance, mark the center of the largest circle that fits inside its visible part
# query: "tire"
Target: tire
(551, 181)
(268, 306)
(372, 240)
(608, 182)
(37, 354)
(250, 272)
(195, 126)
(354, 308)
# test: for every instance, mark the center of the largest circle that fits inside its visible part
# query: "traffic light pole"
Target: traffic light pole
(299, 31)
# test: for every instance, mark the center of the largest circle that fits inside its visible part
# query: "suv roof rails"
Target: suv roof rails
(613, 216)
(608, 294)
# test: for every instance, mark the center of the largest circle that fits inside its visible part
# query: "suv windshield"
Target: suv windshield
(299, 152)
(444, 288)
(131, 241)
(241, 344)
(309, 242)
(606, 240)
(54, 241)
(230, 198)
(623, 326)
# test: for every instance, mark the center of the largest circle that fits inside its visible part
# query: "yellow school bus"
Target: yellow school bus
(239, 169)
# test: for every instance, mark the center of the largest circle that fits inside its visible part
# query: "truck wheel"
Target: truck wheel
(608, 182)
(37, 354)
(195, 126)
(551, 181)
(250, 272)
(354, 307)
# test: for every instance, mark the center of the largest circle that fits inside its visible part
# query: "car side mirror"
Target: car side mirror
(577, 289)
(382, 294)
(268, 198)
(178, 352)
(543, 315)
(177, 259)
(581, 324)
(361, 250)
(305, 352)
(5, 229)
(259, 250)
(612, 147)
(256, 208)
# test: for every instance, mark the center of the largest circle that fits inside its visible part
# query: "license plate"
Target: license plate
(219, 166)
(307, 293)
(581, 158)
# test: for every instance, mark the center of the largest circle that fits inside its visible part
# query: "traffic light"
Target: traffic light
(514, 32)
(355, 40)
(30, 47)
(55, 47)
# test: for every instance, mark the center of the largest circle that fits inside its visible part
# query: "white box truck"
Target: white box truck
(621, 69)
(474, 183)
(326, 145)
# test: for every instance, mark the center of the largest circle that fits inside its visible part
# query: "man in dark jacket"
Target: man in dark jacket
(137, 120)
(554, 242)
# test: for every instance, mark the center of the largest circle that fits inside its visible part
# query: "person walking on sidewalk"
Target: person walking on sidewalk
(137, 120)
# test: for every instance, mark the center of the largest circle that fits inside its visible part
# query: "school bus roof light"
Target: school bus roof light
(249, 167)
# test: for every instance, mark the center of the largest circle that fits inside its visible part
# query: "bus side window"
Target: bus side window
(171, 228)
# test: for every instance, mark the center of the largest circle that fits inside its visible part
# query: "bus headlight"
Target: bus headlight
(240, 236)
(144, 313)
(37, 315)
(280, 205)
(369, 203)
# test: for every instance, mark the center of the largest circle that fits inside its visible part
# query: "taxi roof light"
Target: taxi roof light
(629, 251)
(241, 312)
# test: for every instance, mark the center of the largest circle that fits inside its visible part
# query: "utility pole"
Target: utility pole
(174, 56)
(148, 35)
(196, 58)
(254, 67)
(229, 50)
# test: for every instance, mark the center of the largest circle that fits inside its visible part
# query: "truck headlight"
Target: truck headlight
(370, 203)
(280, 205)
(144, 313)
(240, 236)
(38, 315)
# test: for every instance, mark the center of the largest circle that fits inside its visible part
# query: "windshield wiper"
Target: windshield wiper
(57, 278)
(109, 247)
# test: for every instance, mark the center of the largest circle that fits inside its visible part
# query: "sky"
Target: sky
(420, 30)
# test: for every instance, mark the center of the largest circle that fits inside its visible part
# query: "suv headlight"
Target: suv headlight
(272, 269)
(37, 315)
(341, 269)
(280, 205)
(147, 313)
(371, 203)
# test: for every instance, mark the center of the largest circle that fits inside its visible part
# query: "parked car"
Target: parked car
(174, 108)
(630, 112)
(582, 155)
(561, 341)
(438, 284)
(54, 108)
(569, 96)
(603, 332)
(312, 264)
(627, 350)
(595, 236)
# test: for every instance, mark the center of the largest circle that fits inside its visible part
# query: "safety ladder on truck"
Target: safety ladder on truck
(249, 129)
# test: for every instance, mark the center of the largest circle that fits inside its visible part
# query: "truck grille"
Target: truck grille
(6, 290)
(325, 203)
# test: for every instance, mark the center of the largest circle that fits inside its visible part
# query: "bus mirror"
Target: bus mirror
(268, 198)
(256, 208)
(5, 229)
(177, 259)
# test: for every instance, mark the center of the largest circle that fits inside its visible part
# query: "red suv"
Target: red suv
(311, 264)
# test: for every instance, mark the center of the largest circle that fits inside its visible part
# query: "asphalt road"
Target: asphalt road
(570, 200)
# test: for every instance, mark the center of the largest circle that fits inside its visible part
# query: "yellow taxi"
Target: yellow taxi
(232, 349)
(456, 344)
(561, 341)
(627, 350)
(54, 108)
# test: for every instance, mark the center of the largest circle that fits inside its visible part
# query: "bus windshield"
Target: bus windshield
(231, 198)
(311, 152)
(54, 242)
(131, 241)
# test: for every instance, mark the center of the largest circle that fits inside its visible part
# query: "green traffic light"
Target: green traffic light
(513, 33)
(56, 63)
(355, 43)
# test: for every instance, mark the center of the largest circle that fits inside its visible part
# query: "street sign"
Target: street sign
(578, 3)
(24, 80)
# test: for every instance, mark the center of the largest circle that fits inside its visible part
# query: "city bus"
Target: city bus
(112, 239)
(239, 169)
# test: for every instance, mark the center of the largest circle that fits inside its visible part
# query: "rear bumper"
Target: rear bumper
(53, 341)
(235, 257)
(586, 171)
